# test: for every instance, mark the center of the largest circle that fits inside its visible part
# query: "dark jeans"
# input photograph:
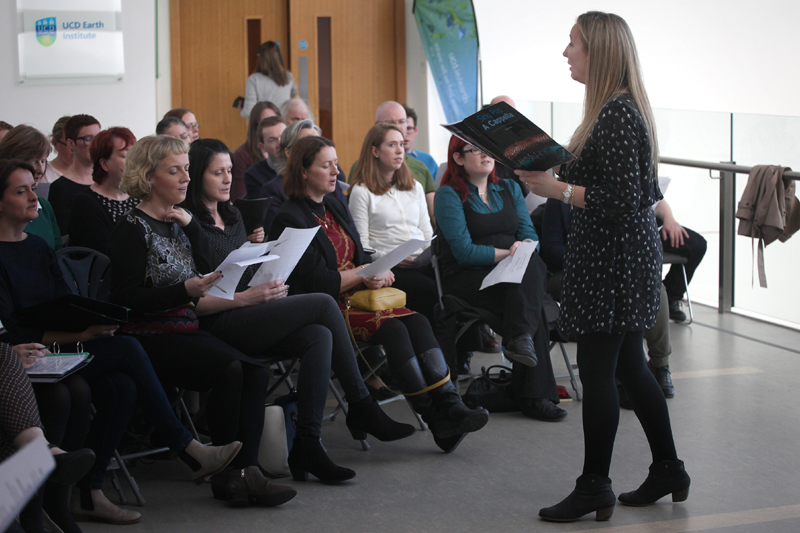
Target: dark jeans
(201, 362)
(120, 375)
(603, 358)
(309, 325)
(420, 288)
(693, 248)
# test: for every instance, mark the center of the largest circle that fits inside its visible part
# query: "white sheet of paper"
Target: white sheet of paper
(236, 263)
(393, 258)
(289, 248)
(232, 274)
(55, 364)
(512, 268)
(20, 476)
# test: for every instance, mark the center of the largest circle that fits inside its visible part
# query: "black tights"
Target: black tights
(404, 338)
(602, 357)
(235, 409)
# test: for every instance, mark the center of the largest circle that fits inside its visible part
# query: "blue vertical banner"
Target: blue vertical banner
(450, 38)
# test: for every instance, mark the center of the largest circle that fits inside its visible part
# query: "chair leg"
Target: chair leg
(129, 478)
(570, 368)
(573, 377)
(688, 300)
(422, 425)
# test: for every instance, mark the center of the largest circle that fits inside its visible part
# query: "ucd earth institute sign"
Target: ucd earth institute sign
(76, 39)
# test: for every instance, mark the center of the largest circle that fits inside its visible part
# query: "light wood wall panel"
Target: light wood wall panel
(209, 58)
(368, 62)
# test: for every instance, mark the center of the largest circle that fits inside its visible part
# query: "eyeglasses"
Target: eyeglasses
(86, 139)
(59, 141)
(402, 122)
(471, 151)
(193, 126)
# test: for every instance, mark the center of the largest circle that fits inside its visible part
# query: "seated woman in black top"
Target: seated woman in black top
(263, 319)
(482, 220)
(120, 373)
(96, 209)
(157, 253)
(330, 265)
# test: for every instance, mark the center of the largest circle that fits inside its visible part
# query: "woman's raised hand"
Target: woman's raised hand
(259, 294)
(181, 216)
(197, 287)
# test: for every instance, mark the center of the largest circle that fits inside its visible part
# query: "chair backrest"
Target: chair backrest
(86, 271)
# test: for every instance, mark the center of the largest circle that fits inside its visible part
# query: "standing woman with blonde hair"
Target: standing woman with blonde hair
(388, 207)
(612, 270)
(271, 81)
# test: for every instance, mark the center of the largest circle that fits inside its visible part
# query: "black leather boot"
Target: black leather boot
(666, 477)
(451, 417)
(308, 457)
(241, 487)
(592, 494)
(366, 416)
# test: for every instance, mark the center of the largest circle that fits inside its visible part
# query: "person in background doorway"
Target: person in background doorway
(270, 82)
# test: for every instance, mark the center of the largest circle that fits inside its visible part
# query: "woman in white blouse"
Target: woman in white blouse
(388, 207)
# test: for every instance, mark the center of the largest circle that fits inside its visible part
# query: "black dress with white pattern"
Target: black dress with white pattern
(612, 270)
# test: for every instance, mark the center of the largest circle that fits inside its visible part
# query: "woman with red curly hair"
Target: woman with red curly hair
(482, 220)
(97, 209)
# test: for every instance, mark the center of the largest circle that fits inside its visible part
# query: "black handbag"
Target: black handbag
(492, 391)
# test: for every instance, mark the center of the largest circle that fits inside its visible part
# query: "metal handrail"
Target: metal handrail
(727, 219)
(726, 167)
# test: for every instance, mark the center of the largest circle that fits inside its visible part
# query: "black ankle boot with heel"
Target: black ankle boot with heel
(666, 477)
(366, 416)
(308, 457)
(592, 494)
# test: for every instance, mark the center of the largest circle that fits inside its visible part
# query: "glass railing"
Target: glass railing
(694, 195)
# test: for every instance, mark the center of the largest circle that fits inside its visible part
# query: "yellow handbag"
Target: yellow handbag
(377, 299)
(381, 300)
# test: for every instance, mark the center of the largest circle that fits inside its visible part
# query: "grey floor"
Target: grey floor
(736, 424)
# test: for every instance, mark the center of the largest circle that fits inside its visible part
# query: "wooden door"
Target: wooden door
(351, 57)
(212, 44)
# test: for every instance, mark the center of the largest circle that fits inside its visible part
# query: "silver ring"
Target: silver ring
(30, 353)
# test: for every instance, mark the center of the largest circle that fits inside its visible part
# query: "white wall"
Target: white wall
(130, 102)
(709, 55)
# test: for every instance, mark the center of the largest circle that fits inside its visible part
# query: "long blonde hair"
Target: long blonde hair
(367, 171)
(612, 68)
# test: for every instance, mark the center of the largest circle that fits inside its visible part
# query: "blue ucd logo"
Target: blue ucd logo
(46, 31)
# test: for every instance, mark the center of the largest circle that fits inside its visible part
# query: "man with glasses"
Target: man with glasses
(80, 130)
(411, 136)
(393, 113)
